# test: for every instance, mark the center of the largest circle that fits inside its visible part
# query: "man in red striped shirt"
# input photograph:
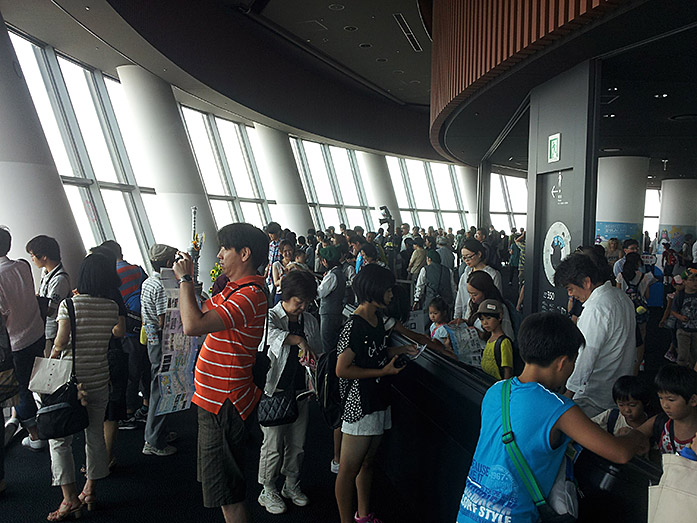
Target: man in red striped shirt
(233, 321)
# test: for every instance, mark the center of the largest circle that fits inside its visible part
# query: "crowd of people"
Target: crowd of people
(284, 296)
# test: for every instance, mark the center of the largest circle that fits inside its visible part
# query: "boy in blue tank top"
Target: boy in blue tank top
(543, 422)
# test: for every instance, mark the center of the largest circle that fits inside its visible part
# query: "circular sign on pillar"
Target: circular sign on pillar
(556, 247)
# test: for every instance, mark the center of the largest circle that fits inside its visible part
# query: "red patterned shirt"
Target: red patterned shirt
(224, 366)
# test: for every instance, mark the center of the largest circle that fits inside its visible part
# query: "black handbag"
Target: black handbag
(62, 414)
(279, 409)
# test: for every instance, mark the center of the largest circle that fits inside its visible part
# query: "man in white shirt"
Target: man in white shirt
(608, 324)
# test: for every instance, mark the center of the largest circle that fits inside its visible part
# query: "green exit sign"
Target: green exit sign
(554, 148)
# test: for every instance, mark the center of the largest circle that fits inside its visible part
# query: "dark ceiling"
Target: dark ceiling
(383, 41)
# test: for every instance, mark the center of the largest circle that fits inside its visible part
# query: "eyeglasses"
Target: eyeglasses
(468, 257)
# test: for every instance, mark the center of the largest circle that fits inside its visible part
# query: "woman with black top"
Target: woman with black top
(293, 338)
(364, 361)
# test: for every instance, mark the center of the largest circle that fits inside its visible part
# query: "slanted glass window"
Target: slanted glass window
(221, 213)
(344, 175)
(318, 171)
(518, 193)
(267, 177)
(427, 219)
(251, 213)
(444, 186)
(355, 217)
(330, 215)
(451, 219)
(235, 158)
(204, 153)
(157, 212)
(76, 80)
(500, 222)
(30, 69)
(520, 221)
(652, 205)
(419, 184)
(496, 201)
(397, 182)
(82, 218)
(115, 202)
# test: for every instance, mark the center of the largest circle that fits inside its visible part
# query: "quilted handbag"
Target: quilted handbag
(279, 409)
(62, 414)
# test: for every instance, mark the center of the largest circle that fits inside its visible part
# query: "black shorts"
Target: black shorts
(221, 440)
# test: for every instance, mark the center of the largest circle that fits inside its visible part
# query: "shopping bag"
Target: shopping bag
(674, 499)
(49, 374)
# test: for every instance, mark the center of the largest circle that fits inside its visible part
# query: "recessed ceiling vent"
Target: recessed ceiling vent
(408, 33)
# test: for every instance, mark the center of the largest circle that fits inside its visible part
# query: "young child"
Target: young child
(490, 314)
(632, 397)
(684, 309)
(439, 314)
(675, 427)
(669, 261)
(669, 321)
(542, 422)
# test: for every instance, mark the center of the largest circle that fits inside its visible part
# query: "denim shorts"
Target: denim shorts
(221, 440)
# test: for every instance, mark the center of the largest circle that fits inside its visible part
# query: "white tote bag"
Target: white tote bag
(674, 499)
(49, 374)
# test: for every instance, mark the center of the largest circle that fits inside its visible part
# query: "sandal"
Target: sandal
(72, 511)
(89, 500)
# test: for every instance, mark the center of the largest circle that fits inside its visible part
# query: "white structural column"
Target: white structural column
(467, 177)
(376, 174)
(171, 163)
(276, 157)
(621, 197)
(678, 211)
(33, 199)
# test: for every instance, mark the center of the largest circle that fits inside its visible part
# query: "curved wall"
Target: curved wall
(476, 40)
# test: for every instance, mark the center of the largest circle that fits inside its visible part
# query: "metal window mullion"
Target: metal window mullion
(101, 227)
(305, 173)
(407, 189)
(331, 174)
(434, 196)
(222, 164)
(360, 189)
(121, 161)
(507, 200)
(253, 171)
(459, 202)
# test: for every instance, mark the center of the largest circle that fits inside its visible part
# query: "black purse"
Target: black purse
(62, 414)
(279, 409)
(282, 407)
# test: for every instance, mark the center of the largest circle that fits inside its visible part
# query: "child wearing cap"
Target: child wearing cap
(497, 359)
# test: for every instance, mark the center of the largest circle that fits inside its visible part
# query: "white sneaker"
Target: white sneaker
(334, 466)
(33, 444)
(294, 494)
(272, 501)
(150, 450)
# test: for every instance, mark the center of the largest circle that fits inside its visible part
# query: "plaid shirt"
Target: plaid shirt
(274, 255)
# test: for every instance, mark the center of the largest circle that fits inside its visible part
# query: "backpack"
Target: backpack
(518, 363)
(634, 293)
(670, 258)
(328, 395)
(612, 420)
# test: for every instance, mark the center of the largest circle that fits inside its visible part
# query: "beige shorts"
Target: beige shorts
(374, 424)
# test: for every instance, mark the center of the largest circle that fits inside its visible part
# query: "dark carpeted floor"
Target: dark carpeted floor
(147, 489)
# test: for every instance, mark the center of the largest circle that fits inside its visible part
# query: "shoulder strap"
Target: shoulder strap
(513, 451)
(71, 313)
(248, 284)
(497, 352)
(612, 420)
(671, 434)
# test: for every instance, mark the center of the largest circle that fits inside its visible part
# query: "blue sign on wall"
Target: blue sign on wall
(620, 230)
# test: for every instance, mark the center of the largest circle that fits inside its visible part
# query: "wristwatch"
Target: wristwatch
(185, 278)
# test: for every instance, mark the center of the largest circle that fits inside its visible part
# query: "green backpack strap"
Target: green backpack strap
(513, 450)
